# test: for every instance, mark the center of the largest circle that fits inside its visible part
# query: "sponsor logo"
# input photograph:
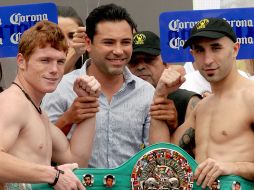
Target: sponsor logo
(202, 24)
(18, 18)
(139, 39)
(15, 37)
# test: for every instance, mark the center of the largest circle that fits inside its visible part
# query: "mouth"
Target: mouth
(144, 77)
(118, 61)
(210, 72)
(52, 79)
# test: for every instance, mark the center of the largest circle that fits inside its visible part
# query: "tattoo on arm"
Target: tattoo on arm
(187, 141)
(194, 101)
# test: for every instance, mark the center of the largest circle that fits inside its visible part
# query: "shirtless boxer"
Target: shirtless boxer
(223, 121)
(28, 141)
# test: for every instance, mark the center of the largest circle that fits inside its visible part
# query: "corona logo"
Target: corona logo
(139, 39)
(15, 38)
(18, 18)
(202, 24)
(176, 43)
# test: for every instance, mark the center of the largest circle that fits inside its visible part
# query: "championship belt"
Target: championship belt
(158, 167)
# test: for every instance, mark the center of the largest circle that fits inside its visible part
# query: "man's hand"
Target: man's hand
(209, 170)
(169, 82)
(78, 42)
(164, 109)
(87, 86)
(68, 180)
(83, 108)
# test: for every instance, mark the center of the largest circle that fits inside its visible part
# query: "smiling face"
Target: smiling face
(111, 48)
(148, 67)
(214, 58)
(44, 69)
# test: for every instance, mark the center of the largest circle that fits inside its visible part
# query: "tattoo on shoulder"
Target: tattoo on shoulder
(194, 101)
(187, 141)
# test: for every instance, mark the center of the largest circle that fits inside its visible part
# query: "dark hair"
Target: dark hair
(109, 12)
(109, 177)
(88, 175)
(40, 35)
(67, 11)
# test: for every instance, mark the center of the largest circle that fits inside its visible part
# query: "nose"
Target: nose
(208, 58)
(141, 66)
(118, 50)
(54, 67)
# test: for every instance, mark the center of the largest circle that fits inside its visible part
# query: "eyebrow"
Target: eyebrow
(195, 46)
(216, 44)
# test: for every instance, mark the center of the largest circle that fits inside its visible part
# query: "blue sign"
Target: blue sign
(175, 30)
(14, 20)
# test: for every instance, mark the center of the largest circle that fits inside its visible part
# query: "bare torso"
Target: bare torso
(29, 133)
(224, 125)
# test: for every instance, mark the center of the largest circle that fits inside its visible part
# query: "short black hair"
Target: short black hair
(109, 12)
(88, 175)
(237, 183)
(109, 177)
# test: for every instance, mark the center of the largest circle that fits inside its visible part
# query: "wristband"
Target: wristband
(57, 176)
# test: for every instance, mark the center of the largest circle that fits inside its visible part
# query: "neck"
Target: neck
(37, 107)
(227, 83)
(106, 81)
(110, 84)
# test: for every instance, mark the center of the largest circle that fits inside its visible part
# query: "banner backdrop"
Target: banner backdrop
(175, 29)
(14, 20)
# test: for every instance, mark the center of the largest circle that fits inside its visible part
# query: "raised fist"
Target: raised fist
(87, 86)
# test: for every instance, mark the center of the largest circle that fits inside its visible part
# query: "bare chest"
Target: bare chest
(223, 120)
(34, 142)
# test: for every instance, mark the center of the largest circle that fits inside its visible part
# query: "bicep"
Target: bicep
(10, 127)
(185, 134)
(194, 100)
(60, 145)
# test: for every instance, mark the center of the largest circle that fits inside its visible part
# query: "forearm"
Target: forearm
(71, 60)
(79, 148)
(64, 121)
(82, 141)
(243, 169)
(158, 132)
(13, 170)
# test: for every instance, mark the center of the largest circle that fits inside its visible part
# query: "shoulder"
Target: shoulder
(143, 88)
(137, 82)
(13, 103)
(247, 91)
(142, 83)
(184, 95)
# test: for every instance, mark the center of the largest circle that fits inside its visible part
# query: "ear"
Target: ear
(21, 61)
(236, 48)
(88, 43)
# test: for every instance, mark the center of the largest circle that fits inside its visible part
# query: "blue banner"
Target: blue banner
(14, 20)
(175, 30)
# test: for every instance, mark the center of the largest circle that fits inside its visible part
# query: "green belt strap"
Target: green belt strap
(160, 166)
